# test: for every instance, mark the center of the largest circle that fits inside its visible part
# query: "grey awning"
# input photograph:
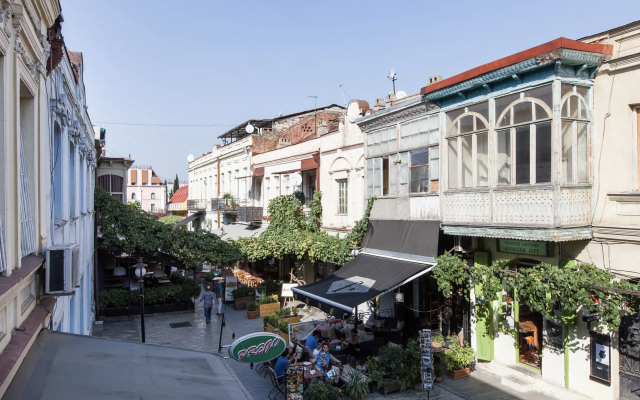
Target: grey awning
(362, 279)
(419, 238)
(189, 218)
(64, 366)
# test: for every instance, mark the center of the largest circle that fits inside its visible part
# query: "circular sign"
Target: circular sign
(257, 347)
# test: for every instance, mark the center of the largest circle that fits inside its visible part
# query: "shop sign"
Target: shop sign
(286, 289)
(257, 347)
(527, 247)
(231, 284)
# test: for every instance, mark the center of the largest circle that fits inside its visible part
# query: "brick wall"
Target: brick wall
(298, 129)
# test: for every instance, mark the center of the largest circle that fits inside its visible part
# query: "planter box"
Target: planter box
(148, 310)
(459, 374)
(267, 309)
(284, 335)
(240, 303)
(292, 320)
(390, 386)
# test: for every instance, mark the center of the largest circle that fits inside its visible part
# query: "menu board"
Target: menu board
(600, 357)
(554, 338)
(230, 284)
(294, 382)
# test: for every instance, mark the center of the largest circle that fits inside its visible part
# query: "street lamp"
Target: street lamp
(140, 271)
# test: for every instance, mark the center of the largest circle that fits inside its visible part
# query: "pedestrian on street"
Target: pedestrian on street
(208, 297)
(219, 291)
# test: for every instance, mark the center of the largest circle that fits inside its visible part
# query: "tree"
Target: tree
(165, 190)
(176, 185)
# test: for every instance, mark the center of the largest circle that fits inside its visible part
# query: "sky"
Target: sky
(161, 62)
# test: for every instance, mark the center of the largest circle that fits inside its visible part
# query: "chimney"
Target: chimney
(323, 129)
(389, 100)
(434, 79)
(379, 104)
(283, 143)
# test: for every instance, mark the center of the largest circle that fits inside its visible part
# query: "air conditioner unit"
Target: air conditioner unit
(63, 269)
(463, 243)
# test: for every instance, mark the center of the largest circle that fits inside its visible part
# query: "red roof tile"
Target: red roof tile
(180, 196)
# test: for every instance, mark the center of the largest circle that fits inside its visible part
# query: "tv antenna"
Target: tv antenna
(344, 100)
(393, 77)
(315, 114)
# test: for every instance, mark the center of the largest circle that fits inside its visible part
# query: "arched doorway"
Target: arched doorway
(527, 323)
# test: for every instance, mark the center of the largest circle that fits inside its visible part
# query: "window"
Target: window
(133, 196)
(523, 154)
(419, 171)
(636, 123)
(382, 141)
(311, 187)
(153, 196)
(342, 196)
(419, 133)
(153, 207)
(112, 184)
(57, 172)
(575, 134)
(72, 179)
(468, 146)
(27, 296)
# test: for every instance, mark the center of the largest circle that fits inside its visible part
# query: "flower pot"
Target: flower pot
(438, 379)
(252, 314)
(267, 309)
(436, 345)
(459, 373)
(389, 386)
(226, 207)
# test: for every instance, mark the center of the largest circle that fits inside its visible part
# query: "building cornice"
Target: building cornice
(394, 115)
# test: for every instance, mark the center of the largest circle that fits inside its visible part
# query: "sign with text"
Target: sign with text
(257, 347)
(527, 247)
(286, 289)
(230, 284)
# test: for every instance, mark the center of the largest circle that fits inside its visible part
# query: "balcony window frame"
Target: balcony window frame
(575, 121)
(343, 196)
(457, 137)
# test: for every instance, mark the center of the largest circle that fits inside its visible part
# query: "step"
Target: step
(517, 383)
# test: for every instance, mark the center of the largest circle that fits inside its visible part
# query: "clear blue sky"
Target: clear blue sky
(206, 62)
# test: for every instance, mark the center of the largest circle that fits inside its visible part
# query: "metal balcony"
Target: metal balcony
(225, 205)
(249, 214)
(200, 204)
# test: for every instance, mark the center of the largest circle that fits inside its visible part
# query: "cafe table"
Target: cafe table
(308, 376)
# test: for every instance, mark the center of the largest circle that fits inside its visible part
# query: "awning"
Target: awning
(408, 237)
(362, 279)
(64, 366)
(189, 218)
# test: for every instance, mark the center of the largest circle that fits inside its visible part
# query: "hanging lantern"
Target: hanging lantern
(119, 271)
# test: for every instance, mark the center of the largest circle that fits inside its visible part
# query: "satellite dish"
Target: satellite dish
(190, 158)
(295, 178)
(401, 95)
(249, 128)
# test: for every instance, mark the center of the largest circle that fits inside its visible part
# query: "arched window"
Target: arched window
(153, 196)
(575, 134)
(468, 139)
(133, 196)
(523, 131)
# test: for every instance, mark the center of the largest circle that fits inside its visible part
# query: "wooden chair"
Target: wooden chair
(278, 387)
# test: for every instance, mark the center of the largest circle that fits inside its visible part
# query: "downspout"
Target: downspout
(218, 188)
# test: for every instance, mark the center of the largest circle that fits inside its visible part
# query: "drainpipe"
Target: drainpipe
(218, 186)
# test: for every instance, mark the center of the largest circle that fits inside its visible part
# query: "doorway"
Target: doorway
(529, 326)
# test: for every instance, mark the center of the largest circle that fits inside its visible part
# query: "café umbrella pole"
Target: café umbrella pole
(220, 342)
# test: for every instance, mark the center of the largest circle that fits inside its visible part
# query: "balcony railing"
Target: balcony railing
(249, 214)
(199, 204)
(533, 208)
(225, 205)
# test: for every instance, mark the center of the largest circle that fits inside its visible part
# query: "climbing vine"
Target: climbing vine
(133, 231)
(543, 287)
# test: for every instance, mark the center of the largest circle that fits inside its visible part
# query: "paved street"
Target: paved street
(202, 337)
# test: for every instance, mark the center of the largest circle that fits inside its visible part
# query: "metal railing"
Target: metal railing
(249, 214)
(197, 204)
(230, 205)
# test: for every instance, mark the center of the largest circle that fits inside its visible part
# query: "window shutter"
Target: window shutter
(393, 175)
(377, 176)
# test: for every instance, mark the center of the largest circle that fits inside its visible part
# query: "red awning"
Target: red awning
(258, 171)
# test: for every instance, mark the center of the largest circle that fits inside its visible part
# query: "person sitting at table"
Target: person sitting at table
(324, 358)
(312, 341)
(354, 343)
(285, 360)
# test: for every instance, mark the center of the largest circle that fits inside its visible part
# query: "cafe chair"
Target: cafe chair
(278, 387)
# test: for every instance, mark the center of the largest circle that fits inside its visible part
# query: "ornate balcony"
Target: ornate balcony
(249, 214)
(225, 205)
(197, 204)
(531, 213)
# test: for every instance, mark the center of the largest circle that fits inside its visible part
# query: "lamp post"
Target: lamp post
(140, 271)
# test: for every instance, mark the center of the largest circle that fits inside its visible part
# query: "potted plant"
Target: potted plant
(252, 310)
(437, 342)
(242, 296)
(290, 315)
(227, 196)
(323, 391)
(438, 371)
(267, 305)
(357, 387)
(457, 360)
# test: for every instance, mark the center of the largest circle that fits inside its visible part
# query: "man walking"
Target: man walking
(219, 293)
(208, 303)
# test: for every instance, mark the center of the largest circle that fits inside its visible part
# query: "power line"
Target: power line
(174, 125)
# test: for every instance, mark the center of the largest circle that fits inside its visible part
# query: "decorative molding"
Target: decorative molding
(46, 46)
(394, 117)
(566, 56)
(548, 235)
(630, 197)
(5, 16)
(32, 12)
(31, 66)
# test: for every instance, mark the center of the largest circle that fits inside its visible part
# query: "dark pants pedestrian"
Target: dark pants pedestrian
(207, 313)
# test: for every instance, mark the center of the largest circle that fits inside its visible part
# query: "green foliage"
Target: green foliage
(176, 278)
(357, 388)
(170, 219)
(450, 271)
(438, 370)
(357, 233)
(135, 232)
(395, 364)
(289, 311)
(227, 196)
(152, 296)
(243, 291)
(410, 364)
(209, 276)
(272, 319)
(113, 298)
(315, 218)
(323, 391)
(458, 357)
(268, 299)
(375, 371)
(252, 306)
(438, 339)
(391, 358)
(273, 285)
(299, 197)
